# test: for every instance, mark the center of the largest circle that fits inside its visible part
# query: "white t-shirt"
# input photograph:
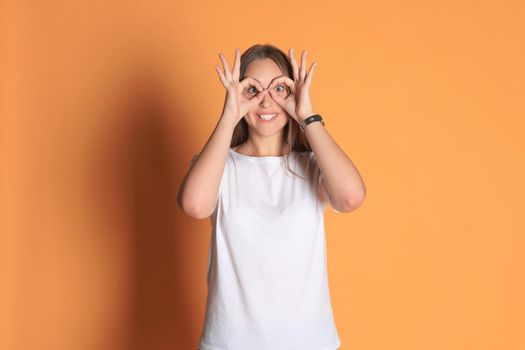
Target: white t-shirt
(267, 274)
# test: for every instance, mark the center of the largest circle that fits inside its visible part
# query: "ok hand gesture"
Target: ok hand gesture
(236, 104)
(297, 103)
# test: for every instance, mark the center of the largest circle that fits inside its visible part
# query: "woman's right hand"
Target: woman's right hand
(237, 102)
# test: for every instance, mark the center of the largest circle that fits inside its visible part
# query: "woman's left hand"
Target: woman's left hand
(297, 103)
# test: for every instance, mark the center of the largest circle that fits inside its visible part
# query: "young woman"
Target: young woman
(264, 178)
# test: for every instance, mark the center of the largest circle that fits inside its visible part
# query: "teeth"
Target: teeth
(267, 116)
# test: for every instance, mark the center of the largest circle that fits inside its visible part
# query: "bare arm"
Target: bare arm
(342, 183)
(199, 189)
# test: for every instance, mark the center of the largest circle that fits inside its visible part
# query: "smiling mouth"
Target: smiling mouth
(268, 116)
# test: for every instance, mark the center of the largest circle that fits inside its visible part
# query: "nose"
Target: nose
(267, 100)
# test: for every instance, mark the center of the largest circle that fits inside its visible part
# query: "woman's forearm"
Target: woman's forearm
(343, 181)
(199, 189)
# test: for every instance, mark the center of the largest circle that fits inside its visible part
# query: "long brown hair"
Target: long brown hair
(292, 135)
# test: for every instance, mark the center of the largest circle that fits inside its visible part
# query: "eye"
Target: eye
(252, 89)
(280, 88)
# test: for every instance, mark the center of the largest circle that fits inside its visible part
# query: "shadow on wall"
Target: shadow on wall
(135, 182)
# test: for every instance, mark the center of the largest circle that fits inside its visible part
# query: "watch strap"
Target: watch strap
(311, 119)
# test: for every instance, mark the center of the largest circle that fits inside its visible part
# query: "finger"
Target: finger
(237, 65)
(284, 80)
(226, 67)
(302, 72)
(308, 80)
(221, 76)
(258, 98)
(251, 81)
(294, 65)
(279, 100)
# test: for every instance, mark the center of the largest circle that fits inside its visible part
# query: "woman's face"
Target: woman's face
(265, 70)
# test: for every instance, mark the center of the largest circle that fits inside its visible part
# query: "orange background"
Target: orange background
(103, 103)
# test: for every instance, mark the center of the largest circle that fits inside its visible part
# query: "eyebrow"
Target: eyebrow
(282, 75)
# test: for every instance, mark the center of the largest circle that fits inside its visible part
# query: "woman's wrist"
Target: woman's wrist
(230, 120)
(303, 116)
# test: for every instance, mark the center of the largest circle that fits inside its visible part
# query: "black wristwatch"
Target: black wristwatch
(310, 119)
